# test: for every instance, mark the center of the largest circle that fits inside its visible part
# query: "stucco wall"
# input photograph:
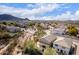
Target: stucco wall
(61, 48)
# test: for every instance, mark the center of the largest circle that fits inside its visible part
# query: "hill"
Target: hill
(7, 17)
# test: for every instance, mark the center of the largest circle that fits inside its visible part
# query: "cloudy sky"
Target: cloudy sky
(40, 11)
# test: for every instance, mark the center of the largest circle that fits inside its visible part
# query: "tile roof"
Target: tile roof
(48, 39)
(64, 42)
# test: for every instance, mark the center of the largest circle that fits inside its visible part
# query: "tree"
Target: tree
(49, 51)
(31, 24)
(13, 24)
(4, 34)
(4, 23)
(35, 39)
(39, 26)
(30, 48)
(72, 30)
(39, 33)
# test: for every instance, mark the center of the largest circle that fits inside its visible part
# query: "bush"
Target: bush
(4, 23)
(10, 23)
(72, 30)
(31, 24)
(5, 36)
(39, 27)
(30, 48)
(49, 51)
(40, 33)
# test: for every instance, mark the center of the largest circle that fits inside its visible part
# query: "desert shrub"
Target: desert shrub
(4, 34)
(31, 24)
(39, 33)
(72, 30)
(49, 51)
(39, 27)
(30, 48)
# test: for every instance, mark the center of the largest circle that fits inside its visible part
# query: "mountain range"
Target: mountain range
(7, 17)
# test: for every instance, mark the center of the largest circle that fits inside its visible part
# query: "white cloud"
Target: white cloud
(24, 12)
(38, 10)
(42, 8)
(77, 12)
(64, 16)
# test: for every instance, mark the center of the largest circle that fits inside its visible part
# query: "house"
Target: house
(44, 25)
(59, 31)
(77, 50)
(13, 29)
(31, 30)
(46, 41)
(63, 45)
(78, 28)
